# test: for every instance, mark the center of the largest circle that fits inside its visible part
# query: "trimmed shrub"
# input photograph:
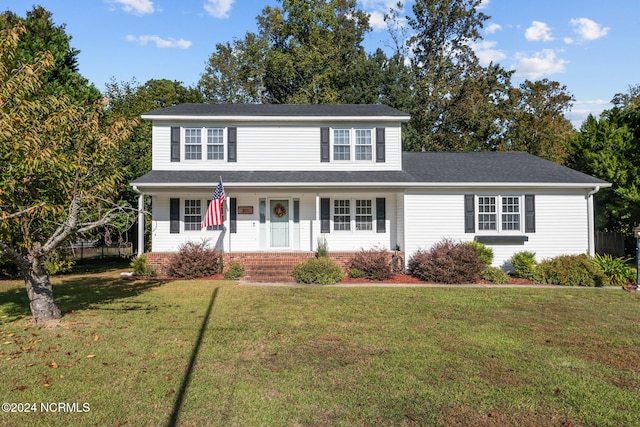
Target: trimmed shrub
(617, 270)
(193, 260)
(571, 270)
(495, 275)
(355, 273)
(321, 271)
(524, 265)
(447, 262)
(373, 263)
(141, 266)
(233, 270)
(484, 252)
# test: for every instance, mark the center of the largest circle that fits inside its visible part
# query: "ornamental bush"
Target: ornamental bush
(524, 265)
(320, 271)
(484, 252)
(141, 266)
(447, 262)
(193, 260)
(571, 270)
(495, 275)
(373, 263)
(617, 270)
(233, 270)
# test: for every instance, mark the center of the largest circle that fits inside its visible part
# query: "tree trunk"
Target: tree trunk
(40, 292)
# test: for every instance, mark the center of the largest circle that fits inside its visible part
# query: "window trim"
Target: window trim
(499, 213)
(353, 144)
(204, 143)
(354, 215)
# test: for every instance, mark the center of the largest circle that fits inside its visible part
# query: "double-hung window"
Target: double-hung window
(364, 146)
(341, 144)
(192, 215)
(215, 144)
(193, 144)
(342, 215)
(499, 213)
(364, 215)
(197, 138)
(353, 144)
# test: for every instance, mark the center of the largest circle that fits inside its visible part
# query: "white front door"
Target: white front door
(279, 219)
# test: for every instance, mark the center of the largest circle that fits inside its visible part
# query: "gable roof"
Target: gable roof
(276, 111)
(430, 169)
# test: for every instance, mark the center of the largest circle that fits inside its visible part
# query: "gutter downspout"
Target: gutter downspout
(591, 220)
(140, 220)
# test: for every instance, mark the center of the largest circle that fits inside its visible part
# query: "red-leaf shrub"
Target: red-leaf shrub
(193, 260)
(375, 264)
(447, 262)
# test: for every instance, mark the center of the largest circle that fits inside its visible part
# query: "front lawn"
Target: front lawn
(215, 353)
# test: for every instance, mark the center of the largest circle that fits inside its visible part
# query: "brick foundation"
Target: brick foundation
(260, 266)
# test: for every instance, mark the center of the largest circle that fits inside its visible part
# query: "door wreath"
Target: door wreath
(279, 210)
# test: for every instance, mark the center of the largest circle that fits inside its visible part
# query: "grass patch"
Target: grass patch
(151, 353)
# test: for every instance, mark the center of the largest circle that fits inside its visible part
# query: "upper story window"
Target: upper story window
(499, 213)
(356, 144)
(363, 144)
(197, 138)
(215, 144)
(192, 144)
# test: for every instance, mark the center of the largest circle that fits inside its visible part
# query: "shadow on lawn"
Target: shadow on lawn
(77, 293)
(177, 406)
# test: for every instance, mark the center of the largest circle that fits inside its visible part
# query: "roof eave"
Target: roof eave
(261, 118)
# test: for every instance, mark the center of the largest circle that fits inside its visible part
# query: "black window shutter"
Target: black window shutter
(380, 145)
(233, 215)
(175, 144)
(174, 216)
(325, 216)
(324, 144)
(381, 209)
(469, 213)
(232, 145)
(529, 213)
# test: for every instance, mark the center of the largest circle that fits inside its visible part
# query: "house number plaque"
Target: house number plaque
(245, 210)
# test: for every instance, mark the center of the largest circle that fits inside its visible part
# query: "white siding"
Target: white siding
(561, 224)
(271, 147)
(254, 236)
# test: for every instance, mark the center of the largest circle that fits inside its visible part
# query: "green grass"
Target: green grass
(195, 353)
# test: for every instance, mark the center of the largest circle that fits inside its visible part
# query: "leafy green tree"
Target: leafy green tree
(57, 174)
(609, 148)
(538, 124)
(41, 34)
(457, 103)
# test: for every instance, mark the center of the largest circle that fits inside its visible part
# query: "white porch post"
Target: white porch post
(140, 224)
(591, 221)
(315, 226)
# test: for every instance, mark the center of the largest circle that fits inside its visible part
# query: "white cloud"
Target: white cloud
(492, 28)
(218, 8)
(486, 52)
(582, 109)
(160, 42)
(137, 7)
(538, 31)
(376, 21)
(484, 4)
(541, 64)
(587, 29)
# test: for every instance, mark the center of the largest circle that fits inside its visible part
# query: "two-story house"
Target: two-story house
(294, 174)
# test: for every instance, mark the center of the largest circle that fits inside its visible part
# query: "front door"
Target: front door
(279, 219)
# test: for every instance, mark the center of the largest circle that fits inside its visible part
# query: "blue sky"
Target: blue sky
(592, 47)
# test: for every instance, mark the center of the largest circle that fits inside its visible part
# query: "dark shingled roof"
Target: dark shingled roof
(361, 110)
(427, 168)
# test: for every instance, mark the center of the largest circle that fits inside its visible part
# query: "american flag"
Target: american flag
(214, 212)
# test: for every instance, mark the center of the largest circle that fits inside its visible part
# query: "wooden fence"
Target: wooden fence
(610, 243)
